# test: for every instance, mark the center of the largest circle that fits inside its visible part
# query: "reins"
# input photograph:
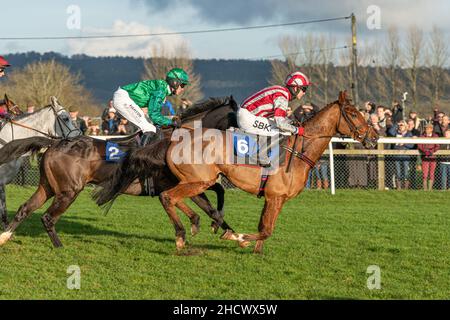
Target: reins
(13, 122)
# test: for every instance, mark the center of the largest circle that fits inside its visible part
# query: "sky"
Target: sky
(50, 18)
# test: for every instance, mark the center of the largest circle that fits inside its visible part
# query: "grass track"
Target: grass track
(321, 248)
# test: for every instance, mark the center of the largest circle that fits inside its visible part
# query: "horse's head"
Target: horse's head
(12, 108)
(63, 126)
(354, 124)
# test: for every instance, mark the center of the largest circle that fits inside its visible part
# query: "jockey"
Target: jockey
(128, 101)
(267, 110)
(3, 109)
(3, 65)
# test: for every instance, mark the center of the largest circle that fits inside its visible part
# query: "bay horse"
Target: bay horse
(69, 165)
(337, 117)
(51, 120)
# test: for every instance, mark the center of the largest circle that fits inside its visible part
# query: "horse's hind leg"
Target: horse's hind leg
(195, 218)
(171, 197)
(60, 204)
(35, 202)
(3, 212)
(216, 215)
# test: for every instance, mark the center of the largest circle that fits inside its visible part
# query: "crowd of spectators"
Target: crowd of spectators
(402, 171)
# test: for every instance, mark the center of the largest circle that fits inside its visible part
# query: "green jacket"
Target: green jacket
(150, 94)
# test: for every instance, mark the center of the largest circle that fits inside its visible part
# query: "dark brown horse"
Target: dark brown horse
(337, 117)
(68, 165)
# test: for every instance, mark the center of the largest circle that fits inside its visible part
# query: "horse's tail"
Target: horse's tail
(17, 148)
(139, 163)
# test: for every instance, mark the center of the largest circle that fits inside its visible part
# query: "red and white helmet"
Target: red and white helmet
(297, 79)
(3, 62)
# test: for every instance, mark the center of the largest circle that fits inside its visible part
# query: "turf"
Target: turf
(321, 249)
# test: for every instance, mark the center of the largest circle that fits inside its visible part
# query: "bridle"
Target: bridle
(354, 129)
(61, 124)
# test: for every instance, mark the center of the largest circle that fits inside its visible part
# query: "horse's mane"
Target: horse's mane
(207, 105)
(26, 115)
(320, 111)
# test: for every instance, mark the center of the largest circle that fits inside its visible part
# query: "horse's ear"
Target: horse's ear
(6, 98)
(342, 97)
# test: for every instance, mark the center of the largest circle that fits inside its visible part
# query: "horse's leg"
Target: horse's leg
(59, 205)
(272, 208)
(35, 202)
(3, 212)
(195, 219)
(171, 197)
(203, 202)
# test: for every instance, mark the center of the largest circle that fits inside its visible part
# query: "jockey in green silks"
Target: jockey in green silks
(129, 99)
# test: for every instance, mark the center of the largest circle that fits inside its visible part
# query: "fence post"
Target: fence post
(330, 147)
(381, 163)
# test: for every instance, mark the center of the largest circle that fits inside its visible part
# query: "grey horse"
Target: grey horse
(51, 121)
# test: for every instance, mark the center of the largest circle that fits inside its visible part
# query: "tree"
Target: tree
(326, 52)
(413, 55)
(38, 81)
(438, 56)
(162, 61)
(391, 57)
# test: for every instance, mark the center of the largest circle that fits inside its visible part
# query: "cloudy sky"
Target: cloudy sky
(50, 18)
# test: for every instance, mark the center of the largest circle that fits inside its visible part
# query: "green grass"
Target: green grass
(321, 248)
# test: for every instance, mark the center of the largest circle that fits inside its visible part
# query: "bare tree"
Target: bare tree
(289, 47)
(391, 58)
(327, 56)
(309, 57)
(438, 56)
(413, 55)
(162, 61)
(38, 81)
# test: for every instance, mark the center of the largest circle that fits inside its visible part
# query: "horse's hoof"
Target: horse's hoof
(214, 227)
(228, 235)
(244, 244)
(5, 237)
(195, 229)
(180, 243)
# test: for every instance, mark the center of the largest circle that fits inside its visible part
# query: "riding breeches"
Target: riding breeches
(131, 111)
(256, 125)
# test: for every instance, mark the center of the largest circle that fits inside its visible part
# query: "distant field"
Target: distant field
(321, 249)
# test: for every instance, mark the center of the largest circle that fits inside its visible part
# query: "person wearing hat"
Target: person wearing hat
(428, 157)
(129, 99)
(110, 124)
(266, 111)
(3, 65)
(78, 122)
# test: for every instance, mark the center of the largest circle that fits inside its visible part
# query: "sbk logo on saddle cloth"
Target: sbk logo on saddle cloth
(114, 153)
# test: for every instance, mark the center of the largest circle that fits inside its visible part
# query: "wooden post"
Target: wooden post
(381, 163)
(354, 63)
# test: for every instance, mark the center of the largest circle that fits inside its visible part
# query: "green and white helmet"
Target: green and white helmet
(176, 77)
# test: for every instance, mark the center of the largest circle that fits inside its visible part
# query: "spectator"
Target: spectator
(110, 125)
(419, 124)
(167, 109)
(106, 110)
(412, 128)
(374, 121)
(397, 112)
(445, 164)
(381, 116)
(76, 120)
(93, 127)
(30, 108)
(306, 112)
(323, 182)
(125, 127)
(442, 125)
(402, 164)
(185, 103)
(428, 157)
(369, 108)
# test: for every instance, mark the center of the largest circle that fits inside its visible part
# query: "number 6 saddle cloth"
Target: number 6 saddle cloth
(256, 150)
